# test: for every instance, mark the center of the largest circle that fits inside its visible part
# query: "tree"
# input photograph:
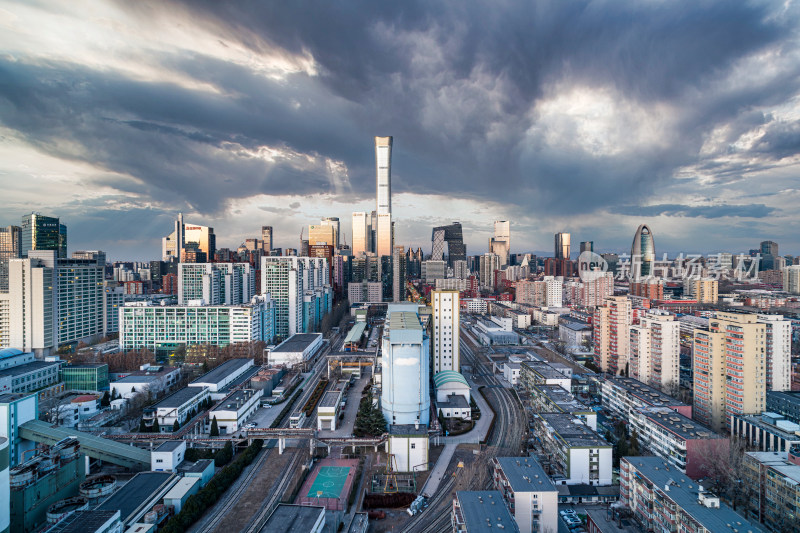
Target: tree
(175, 426)
(156, 427)
(133, 390)
(633, 444)
(142, 426)
(114, 394)
(105, 401)
(214, 428)
(205, 367)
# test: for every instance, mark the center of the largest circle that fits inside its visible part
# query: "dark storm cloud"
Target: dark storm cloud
(702, 211)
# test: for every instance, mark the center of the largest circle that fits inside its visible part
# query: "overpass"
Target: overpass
(95, 447)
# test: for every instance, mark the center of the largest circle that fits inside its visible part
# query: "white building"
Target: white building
(168, 456)
(511, 372)
(528, 492)
(554, 291)
(655, 350)
(143, 325)
(29, 377)
(488, 264)
(219, 378)
(297, 349)
(178, 494)
(433, 270)
(365, 292)
(409, 444)
(579, 454)
(446, 336)
(477, 306)
(235, 409)
(33, 305)
(300, 290)
(216, 283)
(15, 410)
(329, 408)
(452, 395)
(779, 348)
(177, 406)
(79, 408)
(791, 279)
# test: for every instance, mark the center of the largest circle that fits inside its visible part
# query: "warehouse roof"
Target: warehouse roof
(448, 376)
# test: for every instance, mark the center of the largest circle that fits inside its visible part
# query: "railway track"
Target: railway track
(275, 495)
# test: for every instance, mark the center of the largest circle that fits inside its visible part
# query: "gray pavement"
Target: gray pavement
(344, 427)
(438, 472)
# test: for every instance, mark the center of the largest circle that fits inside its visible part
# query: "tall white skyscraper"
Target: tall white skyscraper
(500, 244)
(362, 230)
(383, 179)
(446, 319)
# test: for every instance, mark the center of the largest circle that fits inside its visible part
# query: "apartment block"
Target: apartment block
(528, 492)
(704, 290)
(775, 478)
(622, 396)
(554, 399)
(446, 336)
(655, 350)
(768, 432)
(216, 283)
(611, 334)
(779, 352)
(661, 498)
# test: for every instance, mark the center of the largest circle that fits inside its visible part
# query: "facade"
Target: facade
(791, 279)
(33, 305)
(383, 199)
(15, 410)
(678, 440)
(778, 350)
(487, 265)
(405, 397)
(655, 350)
(29, 377)
(500, 244)
(768, 432)
(452, 237)
(554, 399)
(300, 290)
(662, 500)
(729, 369)
(578, 454)
(622, 396)
(39, 232)
(168, 456)
(218, 379)
(80, 298)
(643, 253)
(85, 376)
(433, 270)
(704, 290)
(235, 409)
(360, 242)
(409, 444)
(322, 234)
(10, 248)
(775, 477)
(188, 235)
(540, 373)
(481, 511)
(446, 330)
(167, 327)
(113, 299)
(266, 238)
(785, 403)
(364, 292)
(528, 492)
(611, 334)
(398, 274)
(297, 349)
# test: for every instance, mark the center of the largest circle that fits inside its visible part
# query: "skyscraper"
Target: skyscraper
(769, 251)
(266, 238)
(321, 234)
(383, 179)
(587, 246)
(488, 264)
(452, 237)
(643, 253)
(655, 350)
(187, 235)
(500, 244)
(334, 223)
(562, 246)
(43, 233)
(10, 248)
(611, 334)
(362, 230)
(399, 274)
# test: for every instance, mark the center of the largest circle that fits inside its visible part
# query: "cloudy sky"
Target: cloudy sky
(589, 117)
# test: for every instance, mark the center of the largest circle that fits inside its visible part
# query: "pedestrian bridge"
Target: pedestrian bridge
(96, 447)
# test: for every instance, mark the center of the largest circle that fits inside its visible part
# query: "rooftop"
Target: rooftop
(454, 401)
(140, 489)
(288, 518)
(608, 523)
(778, 461)
(448, 376)
(219, 374)
(678, 424)
(170, 445)
(83, 365)
(197, 467)
(136, 379)
(525, 474)
(298, 342)
(84, 522)
(26, 368)
(407, 429)
(545, 370)
(572, 431)
(239, 396)
(645, 393)
(684, 492)
(12, 397)
(330, 398)
(180, 397)
(561, 399)
(10, 352)
(83, 398)
(485, 510)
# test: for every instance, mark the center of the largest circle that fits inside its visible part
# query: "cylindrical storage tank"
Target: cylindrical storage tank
(5, 488)
(62, 508)
(405, 397)
(69, 450)
(98, 487)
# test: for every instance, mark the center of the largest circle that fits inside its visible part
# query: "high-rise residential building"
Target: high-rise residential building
(216, 283)
(33, 305)
(500, 244)
(791, 279)
(554, 291)
(405, 397)
(611, 334)
(80, 297)
(166, 328)
(40, 232)
(433, 270)
(361, 233)
(383, 181)
(704, 290)
(334, 223)
(531, 292)
(460, 269)
(488, 264)
(399, 274)
(266, 238)
(446, 336)
(643, 253)
(188, 236)
(769, 251)
(451, 236)
(651, 288)
(587, 246)
(364, 292)
(10, 248)
(562, 246)
(595, 288)
(730, 376)
(778, 351)
(300, 291)
(655, 350)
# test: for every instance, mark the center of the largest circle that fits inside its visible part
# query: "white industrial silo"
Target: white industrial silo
(405, 395)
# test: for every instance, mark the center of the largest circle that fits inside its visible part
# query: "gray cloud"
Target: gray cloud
(698, 211)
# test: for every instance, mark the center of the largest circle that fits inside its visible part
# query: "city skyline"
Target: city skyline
(238, 121)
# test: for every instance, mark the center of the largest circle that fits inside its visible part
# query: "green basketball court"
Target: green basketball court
(329, 482)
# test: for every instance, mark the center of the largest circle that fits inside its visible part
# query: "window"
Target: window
(413, 445)
(159, 460)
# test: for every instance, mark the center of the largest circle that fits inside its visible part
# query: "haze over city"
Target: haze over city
(587, 117)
